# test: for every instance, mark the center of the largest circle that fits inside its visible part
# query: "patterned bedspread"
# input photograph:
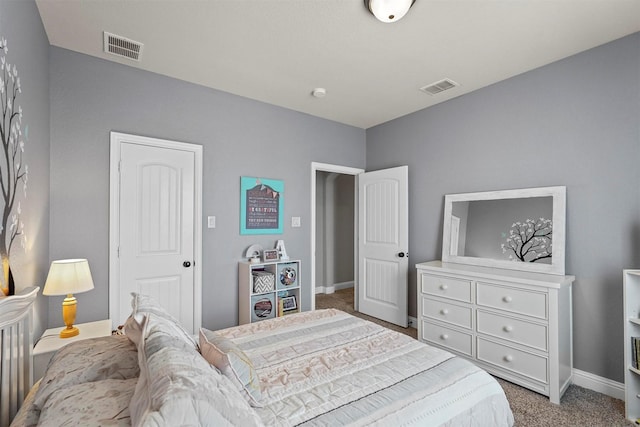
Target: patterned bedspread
(330, 368)
(321, 368)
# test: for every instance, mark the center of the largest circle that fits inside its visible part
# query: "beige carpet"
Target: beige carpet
(578, 407)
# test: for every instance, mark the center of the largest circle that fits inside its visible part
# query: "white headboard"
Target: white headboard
(16, 346)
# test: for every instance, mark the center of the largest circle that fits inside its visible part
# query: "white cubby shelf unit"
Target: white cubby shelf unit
(631, 283)
(279, 297)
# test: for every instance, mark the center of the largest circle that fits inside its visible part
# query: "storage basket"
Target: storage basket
(263, 281)
(263, 307)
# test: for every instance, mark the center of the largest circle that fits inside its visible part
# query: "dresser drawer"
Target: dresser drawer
(447, 287)
(446, 337)
(520, 362)
(519, 331)
(521, 301)
(447, 312)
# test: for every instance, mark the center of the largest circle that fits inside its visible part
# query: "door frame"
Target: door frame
(345, 170)
(116, 141)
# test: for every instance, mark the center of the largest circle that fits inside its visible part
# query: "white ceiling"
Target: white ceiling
(278, 51)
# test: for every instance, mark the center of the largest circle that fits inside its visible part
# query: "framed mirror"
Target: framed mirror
(513, 229)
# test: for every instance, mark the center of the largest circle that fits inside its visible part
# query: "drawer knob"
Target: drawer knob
(508, 358)
(507, 299)
(444, 337)
(508, 328)
(444, 311)
(444, 287)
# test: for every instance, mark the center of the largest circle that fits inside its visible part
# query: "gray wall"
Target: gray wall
(575, 122)
(28, 46)
(344, 211)
(321, 178)
(91, 97)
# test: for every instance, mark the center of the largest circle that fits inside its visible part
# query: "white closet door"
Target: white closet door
(157, 229)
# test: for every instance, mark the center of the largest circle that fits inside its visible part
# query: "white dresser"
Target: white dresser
(516, 325)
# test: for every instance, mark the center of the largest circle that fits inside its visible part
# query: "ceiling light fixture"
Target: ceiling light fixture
(389, 10)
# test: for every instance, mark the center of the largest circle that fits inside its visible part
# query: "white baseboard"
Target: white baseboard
(343, 285)
(332, 288)
(599, 384)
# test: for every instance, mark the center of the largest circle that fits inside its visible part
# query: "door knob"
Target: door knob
(401, 254)
(186, 264)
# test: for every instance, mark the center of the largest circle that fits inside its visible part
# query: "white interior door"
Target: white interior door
(383, 243)
(156, 231)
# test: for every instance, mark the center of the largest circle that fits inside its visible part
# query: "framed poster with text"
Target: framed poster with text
(261, 205)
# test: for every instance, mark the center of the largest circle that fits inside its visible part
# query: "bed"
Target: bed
(318, 368)
(16, 344)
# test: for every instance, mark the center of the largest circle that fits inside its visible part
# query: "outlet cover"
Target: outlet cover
(295, 221)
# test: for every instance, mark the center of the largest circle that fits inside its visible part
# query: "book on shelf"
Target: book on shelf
(635, 352)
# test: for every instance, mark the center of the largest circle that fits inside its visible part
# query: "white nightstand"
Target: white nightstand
(50, 342)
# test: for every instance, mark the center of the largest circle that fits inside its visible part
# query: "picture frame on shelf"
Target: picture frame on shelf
(289, 303)
(270, 255)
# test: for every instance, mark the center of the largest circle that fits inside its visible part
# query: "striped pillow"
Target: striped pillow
(233, 363)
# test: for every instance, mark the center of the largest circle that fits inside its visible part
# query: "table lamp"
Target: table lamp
(67, 277)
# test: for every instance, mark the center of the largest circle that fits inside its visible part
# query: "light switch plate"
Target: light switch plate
(211, 221)
(295, 221)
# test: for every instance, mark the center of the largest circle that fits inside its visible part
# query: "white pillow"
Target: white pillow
(133, 329)
(144, 304)
(177, 387)
(233, 363)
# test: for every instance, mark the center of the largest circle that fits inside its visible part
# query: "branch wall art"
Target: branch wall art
(14, 172)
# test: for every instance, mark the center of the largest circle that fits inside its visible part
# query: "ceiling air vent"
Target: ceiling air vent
(122, 46)
(437, 87)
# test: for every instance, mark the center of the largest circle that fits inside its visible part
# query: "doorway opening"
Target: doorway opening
(380, 239)
(335, 237)
(334, 214)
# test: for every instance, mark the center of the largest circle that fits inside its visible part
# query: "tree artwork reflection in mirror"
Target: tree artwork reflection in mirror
(512, 229)
(530, 241)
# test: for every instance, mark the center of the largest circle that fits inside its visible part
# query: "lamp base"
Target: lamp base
(69, 316)
(69, 332)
